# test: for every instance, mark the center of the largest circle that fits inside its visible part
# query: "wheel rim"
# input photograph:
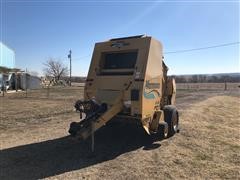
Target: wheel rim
(175, 123)
(165, 132)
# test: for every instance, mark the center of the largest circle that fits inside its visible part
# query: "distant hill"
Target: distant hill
(226, 74)
(203, 78)
(189, 78)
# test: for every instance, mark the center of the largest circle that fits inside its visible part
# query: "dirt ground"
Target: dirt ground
(35, 143)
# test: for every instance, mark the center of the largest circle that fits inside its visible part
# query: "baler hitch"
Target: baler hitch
(96, 116)
(92, 111)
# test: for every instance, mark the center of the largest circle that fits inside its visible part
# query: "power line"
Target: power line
(177, 51)
(83, 57)
(202, 48)
(77, 58)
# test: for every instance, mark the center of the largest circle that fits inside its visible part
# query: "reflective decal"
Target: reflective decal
(153, 93)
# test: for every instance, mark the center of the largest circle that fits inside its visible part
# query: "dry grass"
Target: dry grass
(34, 142)
(211, 138)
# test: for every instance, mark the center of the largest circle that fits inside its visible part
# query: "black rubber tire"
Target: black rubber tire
(73, 128)
(172, 119)
(163, 133)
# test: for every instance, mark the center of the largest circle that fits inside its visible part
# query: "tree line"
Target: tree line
(55, 69)
(231, 78)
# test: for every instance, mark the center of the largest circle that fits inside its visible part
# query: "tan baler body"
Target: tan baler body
(147, 78)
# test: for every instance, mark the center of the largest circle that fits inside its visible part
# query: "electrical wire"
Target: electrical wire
(177, 51)
(202, 48)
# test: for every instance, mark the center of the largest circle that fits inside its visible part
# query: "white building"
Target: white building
(7, 56)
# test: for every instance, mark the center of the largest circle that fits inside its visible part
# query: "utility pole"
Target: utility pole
(70, 59)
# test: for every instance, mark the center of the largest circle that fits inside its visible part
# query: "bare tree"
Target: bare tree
(55, 68)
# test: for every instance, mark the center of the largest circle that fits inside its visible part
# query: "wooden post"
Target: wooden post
(26, 83)
(2, 88)
(48, 88)
(225, 85)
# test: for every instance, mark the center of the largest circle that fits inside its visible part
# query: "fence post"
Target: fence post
(16, 83)
(2, 88)
(225, 85)
(26, 83)
(48, 89)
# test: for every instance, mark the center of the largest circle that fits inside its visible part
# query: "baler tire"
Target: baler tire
(171, 118)
(163, 132)
(73, 129)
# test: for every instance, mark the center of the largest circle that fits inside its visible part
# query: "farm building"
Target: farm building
(28, 81)
(23, 81)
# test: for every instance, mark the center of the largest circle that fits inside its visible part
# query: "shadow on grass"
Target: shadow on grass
(57, 156)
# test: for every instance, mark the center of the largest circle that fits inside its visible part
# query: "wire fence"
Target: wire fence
(47, 92)
(76, 91)
(208, 86)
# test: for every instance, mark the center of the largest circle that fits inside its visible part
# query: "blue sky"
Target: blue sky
(37, 30)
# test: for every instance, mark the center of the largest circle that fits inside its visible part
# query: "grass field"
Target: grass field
(35, 143)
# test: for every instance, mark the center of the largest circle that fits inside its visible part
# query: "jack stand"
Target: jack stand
(92, 134)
